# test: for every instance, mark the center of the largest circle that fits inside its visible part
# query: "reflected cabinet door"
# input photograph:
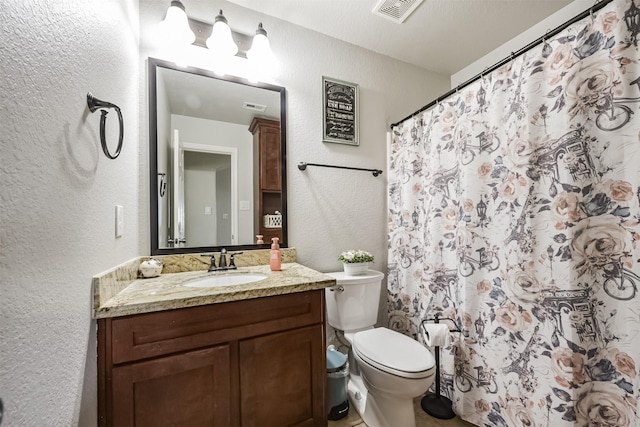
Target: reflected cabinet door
(266, 140)
(270, 158)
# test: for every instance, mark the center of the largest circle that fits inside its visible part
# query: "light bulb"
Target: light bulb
(260, 54)
(221, 43)
(176, 25)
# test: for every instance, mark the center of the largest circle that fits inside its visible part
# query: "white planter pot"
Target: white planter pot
(356, 268)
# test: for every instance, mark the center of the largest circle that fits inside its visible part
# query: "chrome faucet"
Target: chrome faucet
(222, 264)
(223, 258)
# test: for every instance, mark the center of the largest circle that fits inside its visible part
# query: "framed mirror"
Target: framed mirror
(217, 161)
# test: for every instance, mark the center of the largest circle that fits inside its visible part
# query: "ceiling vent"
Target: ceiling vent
(396, 10)
(254, 107)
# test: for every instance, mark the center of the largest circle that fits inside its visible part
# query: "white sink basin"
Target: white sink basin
(226, 280)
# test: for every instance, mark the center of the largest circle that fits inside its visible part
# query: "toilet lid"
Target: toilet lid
(344, 279)
(393, 352)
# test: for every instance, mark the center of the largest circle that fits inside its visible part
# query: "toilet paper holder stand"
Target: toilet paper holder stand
(436, 405)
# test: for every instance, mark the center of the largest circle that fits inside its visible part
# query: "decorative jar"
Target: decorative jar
(150, 268)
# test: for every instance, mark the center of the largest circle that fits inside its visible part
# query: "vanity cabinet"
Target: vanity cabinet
(268, 180)
(257, 362)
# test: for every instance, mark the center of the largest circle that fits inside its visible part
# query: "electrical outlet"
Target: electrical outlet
(119, 220)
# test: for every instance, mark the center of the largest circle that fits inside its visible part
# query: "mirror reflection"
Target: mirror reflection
(217, 160)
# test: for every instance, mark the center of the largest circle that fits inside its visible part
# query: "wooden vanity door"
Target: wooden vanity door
(188, 389)
(281, 379)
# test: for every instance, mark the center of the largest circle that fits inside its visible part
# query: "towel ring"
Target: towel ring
(94, 104)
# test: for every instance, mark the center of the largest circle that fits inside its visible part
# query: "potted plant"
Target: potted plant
(355, 262)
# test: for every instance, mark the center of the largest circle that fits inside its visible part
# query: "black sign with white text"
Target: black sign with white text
(340, 101)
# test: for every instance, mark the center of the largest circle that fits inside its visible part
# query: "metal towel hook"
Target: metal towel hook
(163, 184)
(94, 104)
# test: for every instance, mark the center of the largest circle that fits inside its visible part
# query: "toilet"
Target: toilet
(390, 368)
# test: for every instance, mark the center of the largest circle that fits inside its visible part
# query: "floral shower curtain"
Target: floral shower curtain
(514, 209)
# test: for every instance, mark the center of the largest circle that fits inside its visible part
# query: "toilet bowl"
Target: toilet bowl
(394, 369)
(390, 368)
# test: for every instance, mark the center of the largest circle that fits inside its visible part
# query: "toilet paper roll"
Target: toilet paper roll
(435, 334)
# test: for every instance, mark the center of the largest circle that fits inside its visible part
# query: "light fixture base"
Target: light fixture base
(202, 31)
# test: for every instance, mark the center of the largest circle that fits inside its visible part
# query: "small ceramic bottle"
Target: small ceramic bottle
(259, 240)
(274, 255)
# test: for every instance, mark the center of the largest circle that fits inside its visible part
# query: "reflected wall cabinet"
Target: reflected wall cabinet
(267, 182)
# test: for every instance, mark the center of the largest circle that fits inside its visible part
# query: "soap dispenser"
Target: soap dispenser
(274, 255)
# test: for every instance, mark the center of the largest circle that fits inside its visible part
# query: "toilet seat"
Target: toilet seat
(394, 353)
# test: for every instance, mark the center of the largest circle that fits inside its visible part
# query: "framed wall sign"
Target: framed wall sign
(339, 111)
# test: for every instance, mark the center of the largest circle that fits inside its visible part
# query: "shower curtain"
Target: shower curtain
(514, 209)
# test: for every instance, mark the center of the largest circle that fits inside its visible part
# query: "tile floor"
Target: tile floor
(422, 419)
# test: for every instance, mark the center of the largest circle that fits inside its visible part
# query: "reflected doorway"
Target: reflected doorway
(207, 198)
(206, 209)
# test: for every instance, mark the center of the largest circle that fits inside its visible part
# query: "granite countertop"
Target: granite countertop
(117, 293)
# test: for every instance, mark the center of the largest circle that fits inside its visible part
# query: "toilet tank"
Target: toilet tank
(353, 303)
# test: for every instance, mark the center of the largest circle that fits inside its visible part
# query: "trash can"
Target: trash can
(337, 373)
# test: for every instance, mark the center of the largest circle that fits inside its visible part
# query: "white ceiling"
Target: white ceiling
(216, 99)
(440, 35)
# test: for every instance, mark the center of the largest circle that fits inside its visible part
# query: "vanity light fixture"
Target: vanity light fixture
(179, 32)
(176, 24)
(221, 43)
(260, 52)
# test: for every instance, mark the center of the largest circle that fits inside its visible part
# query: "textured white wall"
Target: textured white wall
(57, 196)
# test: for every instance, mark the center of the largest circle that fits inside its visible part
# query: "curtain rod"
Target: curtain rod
(597, 6)
(303, 165)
